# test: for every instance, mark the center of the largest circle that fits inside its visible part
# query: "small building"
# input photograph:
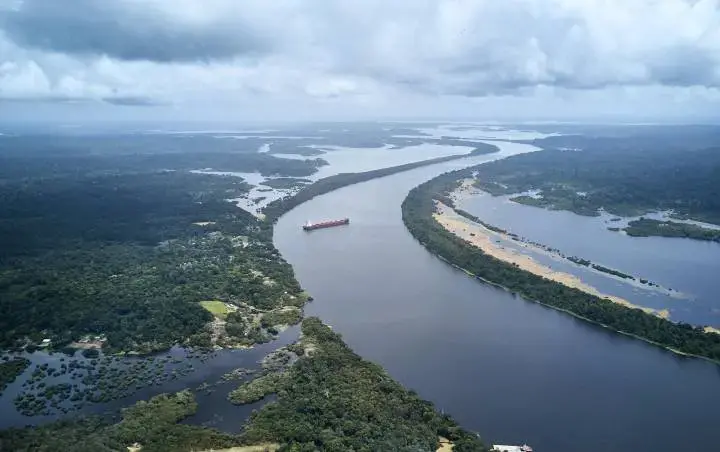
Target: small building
(502, 448)
(45, 343)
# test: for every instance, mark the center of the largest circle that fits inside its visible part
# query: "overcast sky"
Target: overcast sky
(345, 59)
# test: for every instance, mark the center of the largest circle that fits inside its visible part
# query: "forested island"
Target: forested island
(418, 209)
(623, 176)
(645, 227)
(10, 369)
(277, 208)
(328, 399)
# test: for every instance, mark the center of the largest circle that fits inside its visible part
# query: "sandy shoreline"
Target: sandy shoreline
(482, 238)
(467, 189)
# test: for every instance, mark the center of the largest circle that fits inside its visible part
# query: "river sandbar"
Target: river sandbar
(481, 237)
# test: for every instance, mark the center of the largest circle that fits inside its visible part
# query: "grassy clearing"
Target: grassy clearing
(216, 308)
(267, 447)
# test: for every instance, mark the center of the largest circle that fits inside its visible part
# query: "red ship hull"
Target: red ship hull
(326, 224)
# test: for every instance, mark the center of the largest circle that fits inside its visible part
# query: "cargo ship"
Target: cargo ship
(325, 224)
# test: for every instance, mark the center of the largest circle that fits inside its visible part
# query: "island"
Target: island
(626, 177)
(419, 209)
(646, 227)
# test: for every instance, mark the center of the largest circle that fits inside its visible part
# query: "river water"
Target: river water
(689, 267)
(507, 368)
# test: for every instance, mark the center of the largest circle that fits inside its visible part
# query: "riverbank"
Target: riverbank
(481, 237)
(647, 227)
(232, 314)
(418, 209)
(310, 412)
(277, 208)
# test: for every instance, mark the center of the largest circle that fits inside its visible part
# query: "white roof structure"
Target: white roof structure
(502, 448)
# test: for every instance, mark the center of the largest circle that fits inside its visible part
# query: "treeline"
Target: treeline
(328, 400)
(129, 257)
(645, 227)
(625, 176)
(154, 425)
(417, 212)
(29, 157)
(277, 208)
(575, 259)
(10, 369)
(331, 399)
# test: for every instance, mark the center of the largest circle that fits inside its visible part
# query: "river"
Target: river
(507, 368)
(655, 258)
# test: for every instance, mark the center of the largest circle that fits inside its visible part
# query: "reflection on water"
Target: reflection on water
(213, 406)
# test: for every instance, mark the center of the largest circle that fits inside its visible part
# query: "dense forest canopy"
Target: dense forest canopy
(104, 244)
(625, 176)
(54, 156)
(334, 400)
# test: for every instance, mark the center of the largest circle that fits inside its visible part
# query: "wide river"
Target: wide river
(509, 369)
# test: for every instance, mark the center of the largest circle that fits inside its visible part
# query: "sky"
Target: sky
(259, 60)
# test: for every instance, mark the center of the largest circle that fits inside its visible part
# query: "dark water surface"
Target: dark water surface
(510, 369)
(688, 266)
(214, 410)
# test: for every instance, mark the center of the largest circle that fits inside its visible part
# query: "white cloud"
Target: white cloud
(364, 53)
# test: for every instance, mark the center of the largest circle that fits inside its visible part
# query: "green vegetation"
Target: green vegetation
(645, 227)
(10, 369)
(286, 183)
(289, 315)
(257, 388)
(153, 425)
(626, 176)
(217, 308)
(33, 156)
(611, 271)
(121, 256)
(579, 261)
(131, 252)
(331, 399)
(574, 259)
(417, 211)
(71, 383)
(277, 208)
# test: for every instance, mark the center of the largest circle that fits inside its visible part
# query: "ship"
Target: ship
(325, 224)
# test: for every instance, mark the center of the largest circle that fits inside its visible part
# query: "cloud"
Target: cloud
(129, 30)
(358, 53)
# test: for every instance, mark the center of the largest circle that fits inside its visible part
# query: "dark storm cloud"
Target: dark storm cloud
(124, 30)
(361, 52)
